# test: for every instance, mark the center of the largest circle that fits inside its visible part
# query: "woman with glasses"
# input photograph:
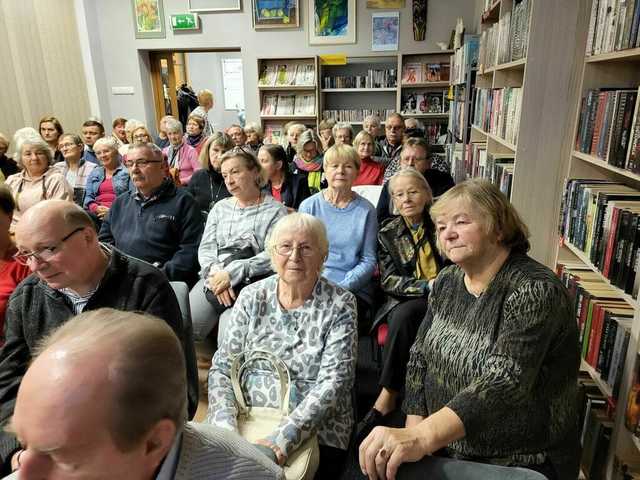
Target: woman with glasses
(74, 167)
(408, 260)
(310, 324)
(286, 187)
(37, 181)
(106, 181)
(232, 250)
(12, 272)
(182, 158)
(308, 161)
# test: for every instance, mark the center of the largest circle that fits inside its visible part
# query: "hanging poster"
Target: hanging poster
(385, 4)
(332, 22)
(148, 18)
(275, 14)
(385, 31)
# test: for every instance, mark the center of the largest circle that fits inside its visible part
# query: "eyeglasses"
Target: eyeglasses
(286, 250)
(242, 149)
(64, 146)
(409, 194)
(44, 254)
(140, 163)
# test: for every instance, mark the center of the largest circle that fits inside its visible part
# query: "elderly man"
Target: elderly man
(236, 132)
(156, 222)
(391, 146)
(343, 133)
(92, 130)
(74, 273)
(415, 153)
(115, 406)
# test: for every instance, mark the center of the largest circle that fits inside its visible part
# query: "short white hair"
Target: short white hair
(302, 222)
(108, 142)
(173, 125)
(342, 126)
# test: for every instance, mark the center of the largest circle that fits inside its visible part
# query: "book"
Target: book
(286, 103)
(412, 73)
(267, 76)
(285, 75)
(269, 104)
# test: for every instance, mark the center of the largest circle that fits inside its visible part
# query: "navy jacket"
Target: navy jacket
(295, 189)
(207, 187)
(163, 230)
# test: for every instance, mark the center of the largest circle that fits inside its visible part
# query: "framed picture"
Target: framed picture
(385, 4)
(204, 6)
(385, 31)
(275, 14)
(332, 22)
(148, 18)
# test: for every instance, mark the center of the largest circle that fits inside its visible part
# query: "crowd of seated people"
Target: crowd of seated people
(282, 252)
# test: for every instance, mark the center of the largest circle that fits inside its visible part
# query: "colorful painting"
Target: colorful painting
(385, 4)
(275, 14)
(149, 18)
(385, 31)
(332, 22)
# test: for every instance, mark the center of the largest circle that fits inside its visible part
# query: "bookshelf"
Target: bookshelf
(605, 61)
(362, 86)
(287, 91)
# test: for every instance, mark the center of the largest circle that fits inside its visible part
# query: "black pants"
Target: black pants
(332, 462)
(364, 316)
(404, 321)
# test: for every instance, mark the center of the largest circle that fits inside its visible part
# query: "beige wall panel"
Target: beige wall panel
(10, 106)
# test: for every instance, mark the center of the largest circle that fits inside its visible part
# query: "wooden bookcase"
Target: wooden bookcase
(270, 122)
(618, 69)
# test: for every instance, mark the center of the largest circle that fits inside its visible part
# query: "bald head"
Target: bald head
(61, 212)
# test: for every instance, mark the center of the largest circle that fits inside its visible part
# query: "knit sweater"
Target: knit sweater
(352, 233)
(505, 362)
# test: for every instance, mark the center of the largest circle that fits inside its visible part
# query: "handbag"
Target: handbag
(255, 423)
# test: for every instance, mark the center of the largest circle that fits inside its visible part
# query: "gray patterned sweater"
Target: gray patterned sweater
(316, 341)
(506, 362)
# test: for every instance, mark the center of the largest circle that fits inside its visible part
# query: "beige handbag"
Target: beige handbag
(255, 423)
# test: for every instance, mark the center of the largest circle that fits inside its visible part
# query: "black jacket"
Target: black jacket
(439, 182)
(8, 166)
(207, 187)
(164, 230)
(295, 188)
(35, 309)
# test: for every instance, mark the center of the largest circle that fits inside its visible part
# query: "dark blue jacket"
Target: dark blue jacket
(89, 155)
(295, 189)
(120, 181)
(164, 230)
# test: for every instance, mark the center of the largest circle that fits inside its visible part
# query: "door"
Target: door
(164, 84)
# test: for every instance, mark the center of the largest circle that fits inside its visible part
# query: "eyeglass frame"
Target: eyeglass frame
(299, 248)
(24, 258)
(139, 163)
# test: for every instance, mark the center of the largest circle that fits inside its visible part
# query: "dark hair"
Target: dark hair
(55, 121)
(278, 154)
(118, 121)
(94, 123)
(7, 203)
(419, 142)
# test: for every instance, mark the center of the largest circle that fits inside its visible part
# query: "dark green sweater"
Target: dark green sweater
(505, 362)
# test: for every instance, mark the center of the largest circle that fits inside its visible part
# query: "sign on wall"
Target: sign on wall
(232, 84)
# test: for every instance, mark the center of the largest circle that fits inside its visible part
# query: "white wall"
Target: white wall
(125, 59)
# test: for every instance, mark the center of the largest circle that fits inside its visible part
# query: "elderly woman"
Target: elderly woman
(352, 228)
(11, 271)
(195, 136)
(205, 101)
(207, 185)
(232, 251)
(162, 141)
(74, 167)
(325, 130)
(182, 158)
(493, 372)
(254, 136)
(293, 132)
(8, 165)
(343, 133)
(140, 134)
(308, 162)
(37, 181)
(129, 127)
(117, 131)
(277, 314)
(286, 187)
(106, 181)
(408, 260)
(371, 172)
(50, 130)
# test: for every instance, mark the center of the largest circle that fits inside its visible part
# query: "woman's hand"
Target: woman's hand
(219, 281)
(281, 458)
(227, 297)
(385, 449)
(101, 211)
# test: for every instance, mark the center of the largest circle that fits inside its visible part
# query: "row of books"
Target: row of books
(602, 219)
(507, 40)
(457, 111)
(386, 78)
(424, 72)
(288, 104)
(427, 102)
(287, 75)
(496, 167)
(614, 25)
(497, 111)
(356, 115)
(464, 58)
(609, 127)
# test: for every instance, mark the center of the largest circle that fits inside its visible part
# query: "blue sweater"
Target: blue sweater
(352, 235)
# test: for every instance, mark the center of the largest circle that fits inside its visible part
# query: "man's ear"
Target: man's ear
(159, 440)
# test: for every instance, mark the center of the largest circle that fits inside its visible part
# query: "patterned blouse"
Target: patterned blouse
(318, 343)
(505, 362)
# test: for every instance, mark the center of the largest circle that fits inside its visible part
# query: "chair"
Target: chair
(370, 192)
(182, 294)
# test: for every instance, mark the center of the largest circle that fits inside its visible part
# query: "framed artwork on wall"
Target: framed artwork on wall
(275, 14)
(148, 18)
(385, 4)
(213, 6)
(332, 22)
(385, 31)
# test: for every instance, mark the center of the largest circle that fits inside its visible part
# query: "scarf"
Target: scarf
(314, 165)
(194, 140)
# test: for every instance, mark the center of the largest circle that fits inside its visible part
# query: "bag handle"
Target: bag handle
(239, 365)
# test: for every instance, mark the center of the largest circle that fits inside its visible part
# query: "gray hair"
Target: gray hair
(297, 126)
(342, 126)
(173, 125)
(130, 126)
(373, 120)
(155, 150)
(250, 162)
(253, 127)
(411, 172)
(306, 137)
(108, 142)
(411, 122)
(299, 222)
(36, 141)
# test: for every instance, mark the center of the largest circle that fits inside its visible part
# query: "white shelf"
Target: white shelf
(495, 138)
(598, 162)
(358, 90)
(595, 376)
(444, 83)
(287, 88)
(515, 65)
(629, 55)
(288, 117)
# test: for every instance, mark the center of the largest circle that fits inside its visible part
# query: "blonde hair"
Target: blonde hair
(147, 368)
(299, 222)
(362, 134)
(204, 96)
(253, 127)
(412, 173)
(497, 214)
(218, 138)
(4, 140)
(146, 131)
(341, 152)
(130, 126)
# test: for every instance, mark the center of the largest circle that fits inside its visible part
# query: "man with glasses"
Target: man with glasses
(391, 146)
(156, 222)
(415, 154)
(73, 273)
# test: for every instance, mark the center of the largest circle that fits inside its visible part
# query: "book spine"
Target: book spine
(611, 242)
